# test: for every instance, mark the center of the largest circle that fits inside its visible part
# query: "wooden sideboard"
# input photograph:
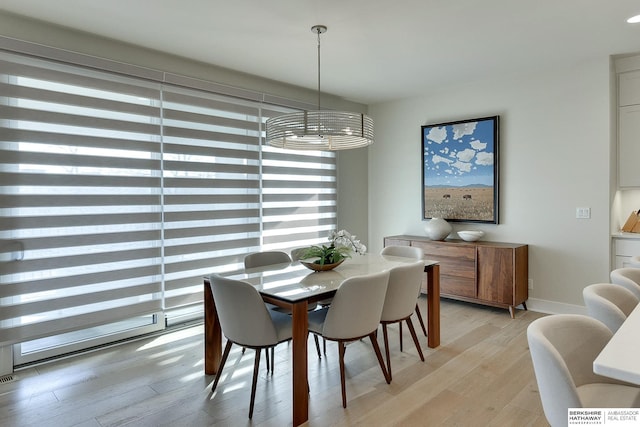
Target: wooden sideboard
(489, 273)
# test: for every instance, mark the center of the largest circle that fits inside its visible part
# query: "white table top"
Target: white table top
(619, 358)
(294, 282)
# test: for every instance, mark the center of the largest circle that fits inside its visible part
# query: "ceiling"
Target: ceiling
(374, 51)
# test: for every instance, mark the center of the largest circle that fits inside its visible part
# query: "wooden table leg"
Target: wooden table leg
(300, 381)
(433, 305)
(212, 333)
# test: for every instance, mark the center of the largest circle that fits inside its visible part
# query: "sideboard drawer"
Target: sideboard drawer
(454, 260)
(455, 285)
(457, 266)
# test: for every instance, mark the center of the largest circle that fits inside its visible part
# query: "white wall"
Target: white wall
(554, 157)
(353, 193)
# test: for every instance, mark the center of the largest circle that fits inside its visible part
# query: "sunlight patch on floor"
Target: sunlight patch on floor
(172, 337)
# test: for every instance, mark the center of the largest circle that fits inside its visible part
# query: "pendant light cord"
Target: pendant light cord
(319, 30)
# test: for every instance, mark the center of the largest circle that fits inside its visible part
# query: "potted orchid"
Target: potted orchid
(341, 245)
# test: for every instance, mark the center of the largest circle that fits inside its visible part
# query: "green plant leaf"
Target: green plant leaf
(326, 254)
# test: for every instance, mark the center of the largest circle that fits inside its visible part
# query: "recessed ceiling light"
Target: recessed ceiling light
(634, 19)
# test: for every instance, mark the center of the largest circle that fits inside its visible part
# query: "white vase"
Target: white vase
(437, 229)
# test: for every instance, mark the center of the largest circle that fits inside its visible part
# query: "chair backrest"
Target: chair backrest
(627, 277)
(356, 307)
(260, 259)
(405, 251)
(609, 303)
(404, 284)
(244, 318)
(296, 254)
(634, 261)
(563, 348)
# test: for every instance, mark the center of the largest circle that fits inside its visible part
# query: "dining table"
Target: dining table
(295, 288)
(619, 358)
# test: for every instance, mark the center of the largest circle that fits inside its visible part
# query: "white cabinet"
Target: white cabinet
(628, 129)
(625, 248)
(629, 146)
(629, 88)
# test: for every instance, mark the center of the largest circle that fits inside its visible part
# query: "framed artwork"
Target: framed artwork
(460, 170)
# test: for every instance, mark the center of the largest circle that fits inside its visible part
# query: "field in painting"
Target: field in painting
(463, 203)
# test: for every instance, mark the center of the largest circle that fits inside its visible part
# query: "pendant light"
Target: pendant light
(321, 129)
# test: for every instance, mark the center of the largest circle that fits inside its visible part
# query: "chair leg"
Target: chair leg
(415, 340)
(315, 338)
(324, 346)
(266, 355)
(342, 379)
(273, 358)
(376, 347)
(256, 365)
(400, 329)
(424, 330)
(385, 335)
(225, 354)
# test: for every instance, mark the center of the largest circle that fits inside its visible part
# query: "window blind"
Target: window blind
(211, 188)
(79, 198)
(118, 194)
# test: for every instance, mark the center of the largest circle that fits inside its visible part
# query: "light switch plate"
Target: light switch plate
(583, 213)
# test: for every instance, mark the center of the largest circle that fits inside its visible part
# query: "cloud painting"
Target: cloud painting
(460, 155)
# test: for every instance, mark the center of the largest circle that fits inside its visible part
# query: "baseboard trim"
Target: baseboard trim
(553, 307)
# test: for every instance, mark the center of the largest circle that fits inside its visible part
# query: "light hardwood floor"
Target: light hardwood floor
(481, 375)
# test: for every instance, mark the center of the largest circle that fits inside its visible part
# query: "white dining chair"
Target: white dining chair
(609, 303)
(296, 254)
(354, 314)
(407, 252)
(246, 321)
(266, 258)
(404, 283)
(563, 348)
(628, 277)
(261, 259)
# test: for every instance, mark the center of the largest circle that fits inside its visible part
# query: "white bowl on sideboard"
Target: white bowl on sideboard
(470, 235)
